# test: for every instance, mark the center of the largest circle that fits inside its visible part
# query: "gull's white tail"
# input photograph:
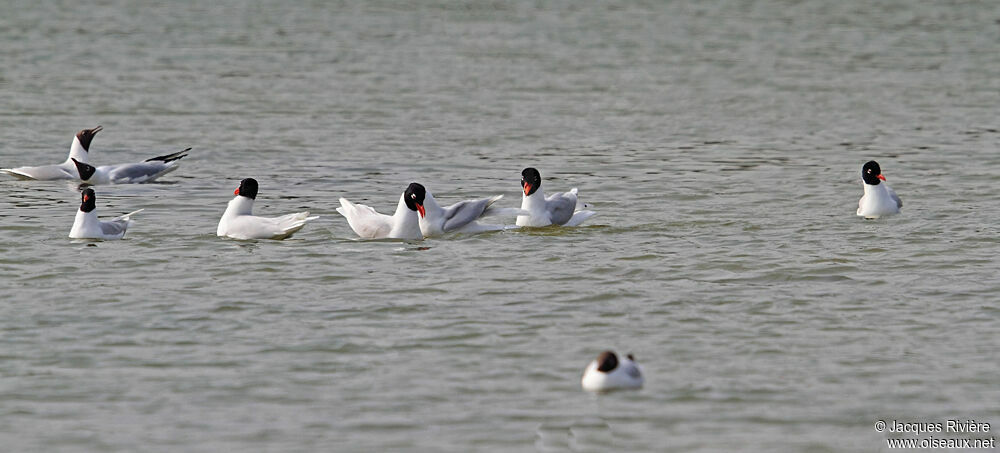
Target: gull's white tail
(579, 217)
(128, 216)
(289, 224)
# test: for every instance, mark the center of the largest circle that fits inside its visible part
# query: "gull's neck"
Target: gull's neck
(77, 152)
(534, 202)
(406, 223)
(239, 205)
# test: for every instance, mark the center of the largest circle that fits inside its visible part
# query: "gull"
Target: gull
(556, 209)
(404, 224)
(138, 172)
(608, 372)
(78, 151)
(879, 199)
(238, 222)
(88, 226)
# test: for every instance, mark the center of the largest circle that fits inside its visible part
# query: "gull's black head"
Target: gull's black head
(86, 171)
(531, 180)
(247, 188)
(872, 173)
(414, 197)
(89, 200)
(85, 136)
(607, 361)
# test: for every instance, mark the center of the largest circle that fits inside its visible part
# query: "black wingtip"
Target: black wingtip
(170, 157)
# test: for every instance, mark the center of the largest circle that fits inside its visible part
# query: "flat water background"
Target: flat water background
(720, 142)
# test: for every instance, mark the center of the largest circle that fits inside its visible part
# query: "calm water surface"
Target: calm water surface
(720, 142)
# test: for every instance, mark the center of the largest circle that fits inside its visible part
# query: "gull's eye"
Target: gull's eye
(413, 196)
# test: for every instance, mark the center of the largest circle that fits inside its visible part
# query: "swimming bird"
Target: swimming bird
(238, 222)
(559, 208)
(461, 217)
(138, 172)
(79, 150)
(879, 199)
(608, 372)
(404, 224)
(88, 226)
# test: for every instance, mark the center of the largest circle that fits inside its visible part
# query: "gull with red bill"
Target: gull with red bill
(88, 226)
(404, 224)
(556, 209)
(238, 222)
(879, 199)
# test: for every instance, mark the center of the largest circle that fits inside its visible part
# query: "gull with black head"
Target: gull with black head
(403, 224)
(879, 199)
(238, 222)
(610, 372)
(88, 226)
(79, 151)
(134, 173)
(556, 209)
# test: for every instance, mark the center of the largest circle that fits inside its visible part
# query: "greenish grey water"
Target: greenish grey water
(720, 142)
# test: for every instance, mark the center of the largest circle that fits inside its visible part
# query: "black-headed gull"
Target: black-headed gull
(66, 170)
(609, 372)
(238, 222)
(879, 199)
(134, 173)
(88, 226)
(556, 209)
(404, 224)
(461, 217)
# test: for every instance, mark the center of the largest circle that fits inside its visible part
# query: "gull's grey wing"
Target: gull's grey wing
(560, 206)
(138, 172)
(43, 173)
(114, 227)
(464, 212)
(892, 194)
